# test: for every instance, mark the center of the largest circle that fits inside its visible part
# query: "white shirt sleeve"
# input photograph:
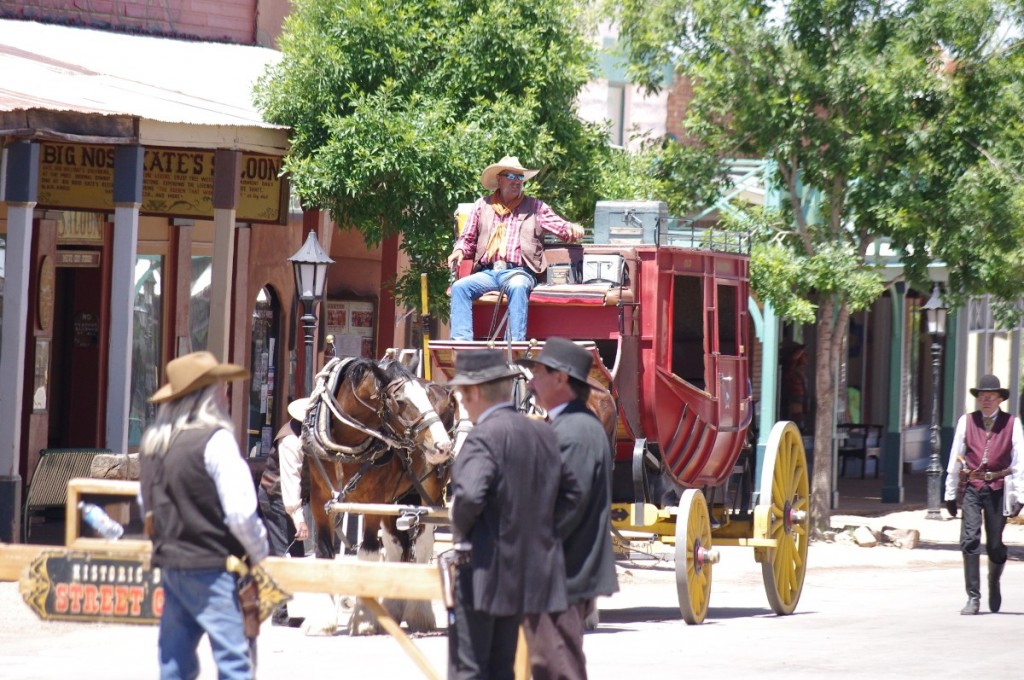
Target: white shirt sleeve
(237, 493)
(1017, 472)
(956, 452)
(289, 453)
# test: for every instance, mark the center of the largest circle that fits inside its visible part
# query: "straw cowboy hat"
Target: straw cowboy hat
(297, 409)
(489, 177)
(193, 372)
(563, 355)
(990, 383)
(476, 366)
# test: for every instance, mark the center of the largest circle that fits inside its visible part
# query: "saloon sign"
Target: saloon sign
(113, 587)
(175, 182)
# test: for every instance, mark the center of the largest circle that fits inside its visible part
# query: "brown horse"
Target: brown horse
(379, 435)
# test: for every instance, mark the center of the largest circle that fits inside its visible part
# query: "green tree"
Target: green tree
(879, 120)
(397, 105)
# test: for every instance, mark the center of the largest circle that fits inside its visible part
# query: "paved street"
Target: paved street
(865, 612)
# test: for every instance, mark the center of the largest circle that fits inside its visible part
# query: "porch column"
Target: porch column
(892, 468)
(21, 191)
(128, 163)
(226, 184)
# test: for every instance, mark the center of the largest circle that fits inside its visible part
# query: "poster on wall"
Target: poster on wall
(352, 324)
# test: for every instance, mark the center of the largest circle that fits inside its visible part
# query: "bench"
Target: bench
(48, 487)
(860, 442)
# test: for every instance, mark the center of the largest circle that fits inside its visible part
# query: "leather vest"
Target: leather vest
(531, 236)
(998, 444)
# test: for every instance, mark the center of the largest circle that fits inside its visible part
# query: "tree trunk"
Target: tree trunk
(831, 327)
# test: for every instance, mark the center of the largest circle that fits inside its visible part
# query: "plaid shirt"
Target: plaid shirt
(547, 219)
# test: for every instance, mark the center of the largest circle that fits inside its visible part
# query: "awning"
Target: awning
(159, 83)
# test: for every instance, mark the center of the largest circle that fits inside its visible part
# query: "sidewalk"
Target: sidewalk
(863, 497)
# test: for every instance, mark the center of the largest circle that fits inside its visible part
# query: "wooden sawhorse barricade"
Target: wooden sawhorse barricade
(56, 581)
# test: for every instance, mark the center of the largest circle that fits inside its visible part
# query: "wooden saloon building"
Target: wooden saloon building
(142, 216)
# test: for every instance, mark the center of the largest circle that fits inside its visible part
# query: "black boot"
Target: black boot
(972, 579)
(995, 597)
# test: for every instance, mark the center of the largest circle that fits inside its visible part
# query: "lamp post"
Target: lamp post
(310, 266)
(935, 320)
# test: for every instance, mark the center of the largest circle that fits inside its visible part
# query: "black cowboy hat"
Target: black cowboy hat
(990, 383)
(563, 355)
(476, 366)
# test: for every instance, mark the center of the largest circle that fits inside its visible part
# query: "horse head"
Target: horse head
(411, 412)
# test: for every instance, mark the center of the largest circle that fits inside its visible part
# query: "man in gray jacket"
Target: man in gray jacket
(559, 384)
(510, 488)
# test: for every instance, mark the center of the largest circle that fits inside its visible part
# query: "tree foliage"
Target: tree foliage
(879, 119)
(397, 105)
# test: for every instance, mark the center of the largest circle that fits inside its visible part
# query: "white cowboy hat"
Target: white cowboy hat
(489, 177)
(193, 372)
(297, 409)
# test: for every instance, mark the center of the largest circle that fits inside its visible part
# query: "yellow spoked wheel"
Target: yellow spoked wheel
(694, 556)
(785, 492)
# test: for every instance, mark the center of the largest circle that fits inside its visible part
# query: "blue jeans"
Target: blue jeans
(519, 282)
(198, 601)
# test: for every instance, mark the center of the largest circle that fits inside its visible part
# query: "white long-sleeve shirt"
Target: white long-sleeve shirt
(958, 449)
(237, 493)
(289, 455)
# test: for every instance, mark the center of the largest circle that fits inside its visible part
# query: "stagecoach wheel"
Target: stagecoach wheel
(694, 556)
(785, 507)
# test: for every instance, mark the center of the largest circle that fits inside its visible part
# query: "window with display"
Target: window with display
(266, 374)
(199, 302)
(146, 346)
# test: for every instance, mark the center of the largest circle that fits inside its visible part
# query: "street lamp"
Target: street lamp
(310, 265)
(935, 320)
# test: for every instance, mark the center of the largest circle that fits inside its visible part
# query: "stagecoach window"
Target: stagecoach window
(728, 338)
(199, 302)
(688, 330)
(146, 349)
(266, 374)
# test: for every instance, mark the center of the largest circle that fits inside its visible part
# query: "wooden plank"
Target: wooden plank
(362, 579)
(392, 627)
(15, 557)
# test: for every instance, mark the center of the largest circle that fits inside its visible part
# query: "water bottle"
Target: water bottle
(100, 521)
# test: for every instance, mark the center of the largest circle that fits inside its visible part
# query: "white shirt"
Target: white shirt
(237, 493)
(958, 449)
(289, 454)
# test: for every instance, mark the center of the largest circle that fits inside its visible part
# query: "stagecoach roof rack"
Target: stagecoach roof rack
(684, 233)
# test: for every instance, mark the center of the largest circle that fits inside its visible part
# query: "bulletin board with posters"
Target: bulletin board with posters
(353, 323)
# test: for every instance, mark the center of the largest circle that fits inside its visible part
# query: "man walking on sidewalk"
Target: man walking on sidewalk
(984, 460)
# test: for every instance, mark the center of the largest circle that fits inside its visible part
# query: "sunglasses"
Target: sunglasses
(514, 176)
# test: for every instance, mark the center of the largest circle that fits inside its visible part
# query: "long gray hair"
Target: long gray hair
(195, 410)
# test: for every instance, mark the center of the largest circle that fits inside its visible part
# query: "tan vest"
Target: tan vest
(531, 236)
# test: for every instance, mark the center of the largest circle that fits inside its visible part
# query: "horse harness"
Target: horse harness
(377, 449)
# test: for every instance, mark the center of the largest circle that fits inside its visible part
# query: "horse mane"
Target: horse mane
(358, 367)
(396, 370)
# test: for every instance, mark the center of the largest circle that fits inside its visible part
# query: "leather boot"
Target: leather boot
(995, 596)
(972, 579)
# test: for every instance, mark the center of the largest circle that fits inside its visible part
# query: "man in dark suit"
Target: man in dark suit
(559, 385)
(509, 489)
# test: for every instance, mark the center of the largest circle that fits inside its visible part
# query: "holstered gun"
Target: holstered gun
(248, 595)
(448, 564)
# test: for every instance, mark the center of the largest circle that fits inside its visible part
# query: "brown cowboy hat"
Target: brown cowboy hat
(990, 383)
(193, 372)
(476, 366)
(297, 409)
(489, 177)
(563, 355)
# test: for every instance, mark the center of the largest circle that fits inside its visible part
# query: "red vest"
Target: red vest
(998, 444)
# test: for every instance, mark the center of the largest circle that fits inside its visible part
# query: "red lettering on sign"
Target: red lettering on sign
(75, 592)
(106, 599)
(158, 602)
(60, 602)
(121, 600)
(135, 595)
(91, 600)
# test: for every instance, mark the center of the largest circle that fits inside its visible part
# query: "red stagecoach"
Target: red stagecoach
(669, 329)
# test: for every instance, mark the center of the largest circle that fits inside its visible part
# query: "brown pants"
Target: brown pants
(556, 643)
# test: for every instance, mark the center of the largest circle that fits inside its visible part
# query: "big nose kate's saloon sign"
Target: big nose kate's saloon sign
(176, 182)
